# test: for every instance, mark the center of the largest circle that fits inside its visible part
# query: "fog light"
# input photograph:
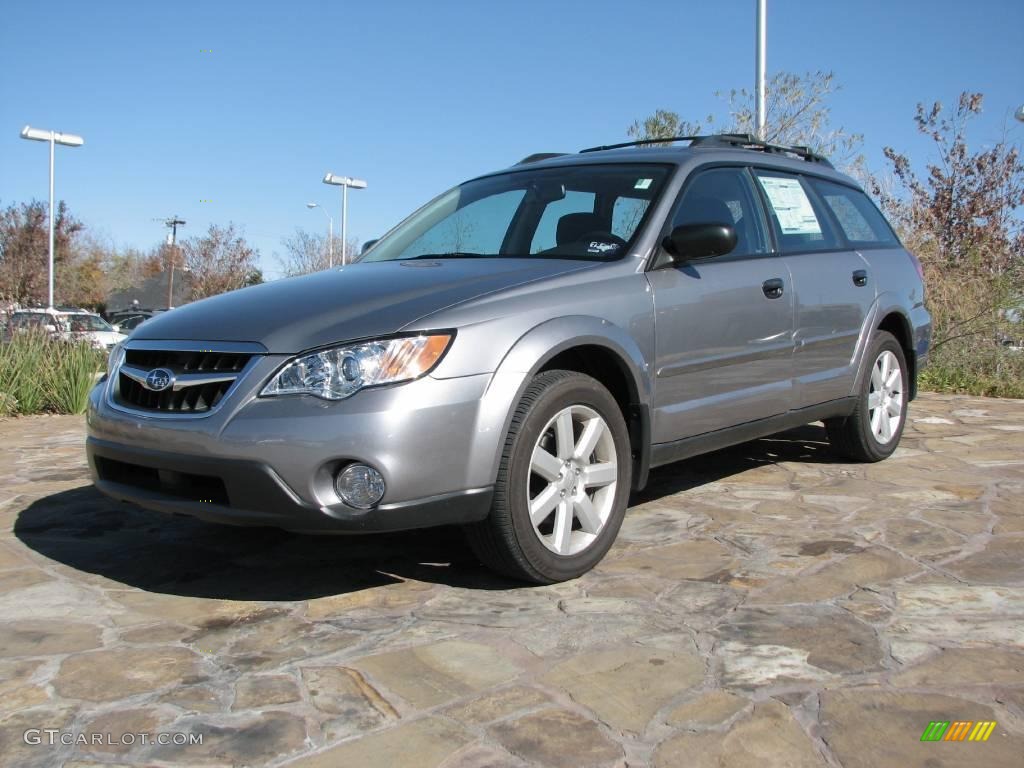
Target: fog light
(359, 486)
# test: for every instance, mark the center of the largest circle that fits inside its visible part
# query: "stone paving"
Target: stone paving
(764, 605)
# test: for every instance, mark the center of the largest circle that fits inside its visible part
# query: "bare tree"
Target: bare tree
(220, 261)
(961, 219)
(24, 245)
(964, 210)
(82, 275)
(797, 113)
(305, 252)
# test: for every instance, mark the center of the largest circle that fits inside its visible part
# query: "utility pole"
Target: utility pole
(172, 241)
(761, 58)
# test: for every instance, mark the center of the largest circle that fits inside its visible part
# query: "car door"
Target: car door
(832, 287)
(723, 326)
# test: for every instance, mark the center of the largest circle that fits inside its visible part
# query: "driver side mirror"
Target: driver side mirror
(700, 241)
(368, 245)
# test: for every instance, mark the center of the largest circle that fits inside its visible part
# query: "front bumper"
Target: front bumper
(244, 492)
(271, 461)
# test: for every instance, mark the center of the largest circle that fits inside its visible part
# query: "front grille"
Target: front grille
(184, 485)
(187, 362)
(188, 400)
(193, 395)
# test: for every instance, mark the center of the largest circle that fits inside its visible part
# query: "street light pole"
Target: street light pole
(53, 137)
(761, 56)
(344, 182)
(330, 232)
(49, 294)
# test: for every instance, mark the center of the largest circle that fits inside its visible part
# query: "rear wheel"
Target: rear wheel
(872, 432)
(562, 485)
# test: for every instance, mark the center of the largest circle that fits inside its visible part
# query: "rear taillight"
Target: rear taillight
(920, 270)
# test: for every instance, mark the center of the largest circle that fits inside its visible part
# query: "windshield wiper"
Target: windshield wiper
(451, 255)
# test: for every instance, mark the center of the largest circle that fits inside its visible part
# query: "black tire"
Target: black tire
(852, 437)
(506, 541)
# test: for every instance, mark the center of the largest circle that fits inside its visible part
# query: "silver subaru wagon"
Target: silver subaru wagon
(516, 355)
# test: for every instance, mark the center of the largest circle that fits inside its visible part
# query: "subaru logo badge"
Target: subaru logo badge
(159, 379)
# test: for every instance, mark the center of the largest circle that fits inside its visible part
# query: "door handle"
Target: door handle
(773, 288)
(860, 277)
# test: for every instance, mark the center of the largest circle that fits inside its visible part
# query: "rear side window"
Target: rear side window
(799, 221)
(860, 220)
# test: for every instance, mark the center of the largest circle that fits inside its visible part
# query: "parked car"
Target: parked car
(68, 324)
(22, 321)
(131, 322)
(517, 355)
(119, 316)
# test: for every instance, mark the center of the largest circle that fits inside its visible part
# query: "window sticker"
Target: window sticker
(596, 246)
(793, 209)
(643, 183)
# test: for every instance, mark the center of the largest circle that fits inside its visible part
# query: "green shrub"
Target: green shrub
(975, 369)
(38, 374)
(70, 375)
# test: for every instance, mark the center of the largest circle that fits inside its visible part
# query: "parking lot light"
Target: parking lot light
(53, 137)
(344, 182)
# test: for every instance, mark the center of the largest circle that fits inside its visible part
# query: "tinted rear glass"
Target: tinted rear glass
(861, 222)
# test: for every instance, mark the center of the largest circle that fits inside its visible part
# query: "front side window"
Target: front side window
(724, 196)
(589, 212)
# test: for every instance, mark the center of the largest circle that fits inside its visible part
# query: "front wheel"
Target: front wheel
(872, 432)
(562, 485)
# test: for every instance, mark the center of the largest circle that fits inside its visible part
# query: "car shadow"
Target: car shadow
(183, 556)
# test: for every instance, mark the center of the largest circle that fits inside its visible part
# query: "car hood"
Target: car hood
(352, 302)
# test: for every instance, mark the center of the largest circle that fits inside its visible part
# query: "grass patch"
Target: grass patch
(986, 371)
(41, 375)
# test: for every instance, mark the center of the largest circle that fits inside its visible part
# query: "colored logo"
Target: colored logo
(159, 379)
(958, 730)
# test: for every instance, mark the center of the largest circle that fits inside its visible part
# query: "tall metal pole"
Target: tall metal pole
(54, 138)
(760, 66)
(50, 299)
(344, 224)
(330, 241)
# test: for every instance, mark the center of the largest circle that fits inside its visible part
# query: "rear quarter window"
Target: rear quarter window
(861, 222)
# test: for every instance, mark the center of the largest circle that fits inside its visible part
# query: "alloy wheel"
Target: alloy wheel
(572, 480)
(885, 397)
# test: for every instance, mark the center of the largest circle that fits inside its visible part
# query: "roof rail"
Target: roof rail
(732, 140)
(641, 143)
(536, 157)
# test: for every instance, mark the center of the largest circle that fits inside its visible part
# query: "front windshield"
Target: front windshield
(86, 323)
(573, 212)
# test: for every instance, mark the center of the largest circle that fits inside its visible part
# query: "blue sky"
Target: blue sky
(417, 96)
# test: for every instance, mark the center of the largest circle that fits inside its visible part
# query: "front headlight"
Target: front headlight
(338, 372)
(115, 358)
